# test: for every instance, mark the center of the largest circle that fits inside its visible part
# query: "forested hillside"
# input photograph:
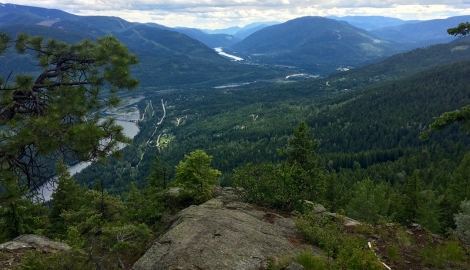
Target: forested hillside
(249, 124)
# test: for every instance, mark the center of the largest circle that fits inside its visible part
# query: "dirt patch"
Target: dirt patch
(403, 247)
(10, 260)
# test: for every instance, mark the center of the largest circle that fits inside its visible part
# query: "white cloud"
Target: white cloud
(225, 13)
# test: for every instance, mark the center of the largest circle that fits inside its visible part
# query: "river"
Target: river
(231, 56)
(130, 130)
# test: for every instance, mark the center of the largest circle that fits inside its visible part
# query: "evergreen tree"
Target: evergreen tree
(301, 148)
(428, 213)
(412, 197)
(368, 201)
(309, 179)
(144, 206)
(462, 29)
(48, 116)
(20, 211)
(334, 196)
(461, 180)
(196, 176)
(462, 222)
(157, 176)
(458, 190)
(67, 196)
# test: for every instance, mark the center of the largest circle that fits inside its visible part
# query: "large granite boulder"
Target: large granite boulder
(222, 233)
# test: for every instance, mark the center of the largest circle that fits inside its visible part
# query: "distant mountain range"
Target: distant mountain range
(241, 32)
(422, 33)
(371, 22)
(185, 56)
(167, 58)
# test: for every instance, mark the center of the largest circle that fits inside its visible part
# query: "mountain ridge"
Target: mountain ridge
(423, 33)
(315, 44)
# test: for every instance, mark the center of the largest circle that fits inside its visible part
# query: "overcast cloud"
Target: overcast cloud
(215, 14)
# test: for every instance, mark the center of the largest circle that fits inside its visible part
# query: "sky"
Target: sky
(218, 14)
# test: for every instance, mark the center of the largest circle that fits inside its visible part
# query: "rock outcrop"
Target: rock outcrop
(31, 241)
(223, 233)
(13, 252)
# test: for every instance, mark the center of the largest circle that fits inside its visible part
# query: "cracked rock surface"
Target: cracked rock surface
(222, 233)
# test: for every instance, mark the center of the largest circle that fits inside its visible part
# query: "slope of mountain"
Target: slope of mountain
(167, 58)
(240, 32)
(11, 62)
(211, 40)
(371, 22)
(30, 14)
(244, 32)
(316, 44)
(421, 33)
(402, 65)
(229, 31)
(237, 29)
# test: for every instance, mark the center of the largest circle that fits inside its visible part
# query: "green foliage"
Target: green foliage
(429, 213)
(144, 206)
(301, 148)
(4, 40)
(158, 175)
(348, 251)
(288, 184)
(73, 238)
(369, 201)
(309, 261)
(305, 257)
(357, 258)
(322, 232)
(196, 176)
(462, 222)
(67, 196)
(448, 118)
(411, 200)
(97, 209)
(103, 231)
(462, 29)
(442, 256)
(20, 211)
(268, 185)
(393, 253)
(306, 174)
(48, 116)
(126, 241)
(73, 260)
